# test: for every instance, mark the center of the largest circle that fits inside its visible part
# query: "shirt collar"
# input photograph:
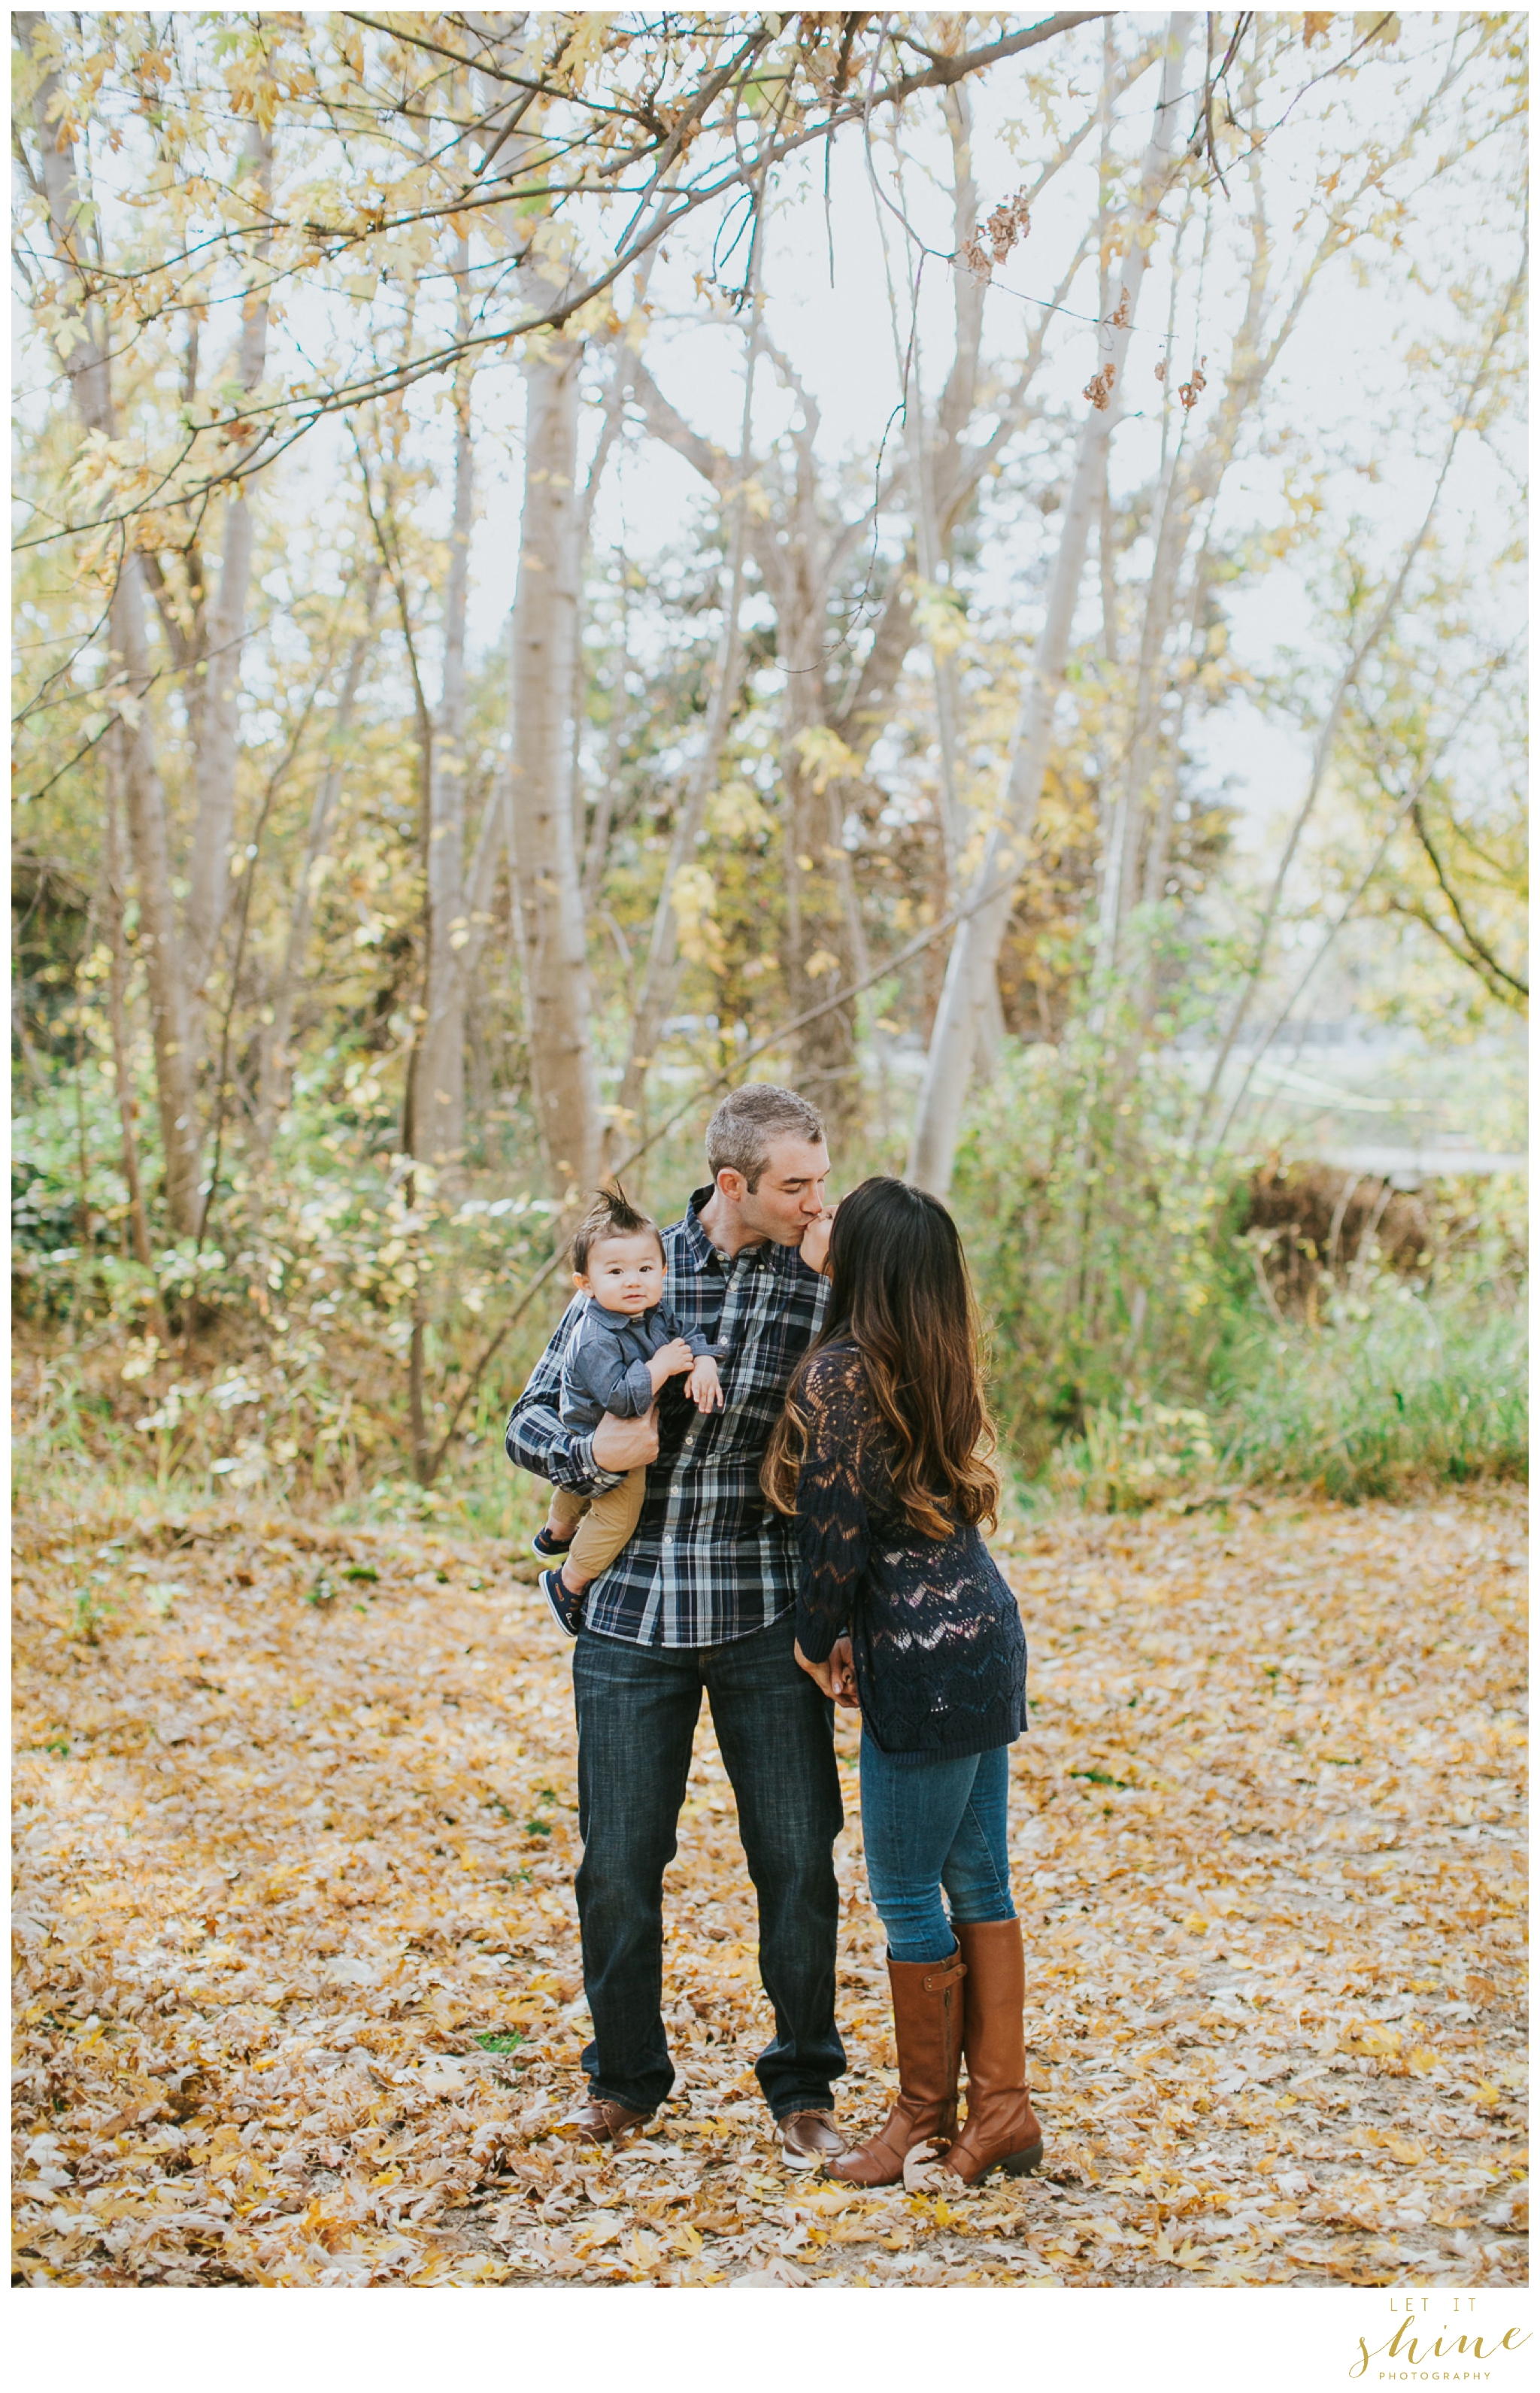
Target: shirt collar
(615, 1320)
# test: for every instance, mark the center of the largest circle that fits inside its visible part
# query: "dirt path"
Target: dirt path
(296, 1847)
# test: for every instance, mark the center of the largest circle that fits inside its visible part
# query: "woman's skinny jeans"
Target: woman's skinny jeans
(929, 1824)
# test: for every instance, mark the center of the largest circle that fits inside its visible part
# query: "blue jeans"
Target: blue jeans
(929, 1824)
(637, 1708)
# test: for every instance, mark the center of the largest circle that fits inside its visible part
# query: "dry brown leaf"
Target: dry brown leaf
(299, 1995)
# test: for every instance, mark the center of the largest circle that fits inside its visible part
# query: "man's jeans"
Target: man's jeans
(637, 1706)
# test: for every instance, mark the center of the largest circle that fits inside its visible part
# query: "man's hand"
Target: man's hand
(704, 1385)
(815, 1245)
(621, 1445)
(835, 1678)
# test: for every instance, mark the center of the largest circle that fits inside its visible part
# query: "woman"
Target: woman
(882, 1455)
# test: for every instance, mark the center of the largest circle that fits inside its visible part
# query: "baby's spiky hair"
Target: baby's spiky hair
(611, 1215)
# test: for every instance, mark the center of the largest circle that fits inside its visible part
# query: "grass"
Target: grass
(1399, 1392)
(1415, 1394)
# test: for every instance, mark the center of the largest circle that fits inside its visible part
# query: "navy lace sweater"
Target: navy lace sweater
(939, 1649)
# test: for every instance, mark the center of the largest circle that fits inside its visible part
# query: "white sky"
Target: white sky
(1342, 378)
(1343, 386)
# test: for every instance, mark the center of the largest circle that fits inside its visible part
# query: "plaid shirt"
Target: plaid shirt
(709, 1559)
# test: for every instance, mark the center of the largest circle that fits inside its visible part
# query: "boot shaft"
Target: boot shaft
(928, 2026)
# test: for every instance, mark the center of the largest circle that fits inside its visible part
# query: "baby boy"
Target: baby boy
(626, 1345)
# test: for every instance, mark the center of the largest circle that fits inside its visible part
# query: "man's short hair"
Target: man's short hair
(611, 1215)
(738, 1134)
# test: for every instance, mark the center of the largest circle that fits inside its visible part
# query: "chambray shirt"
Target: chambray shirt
(709, 1560)
(604, 1367)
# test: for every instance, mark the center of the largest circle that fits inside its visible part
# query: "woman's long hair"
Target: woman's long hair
(900, 1290)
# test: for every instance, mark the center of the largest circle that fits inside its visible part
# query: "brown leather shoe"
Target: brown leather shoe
(1003, 2129)
(927, 2027)
(606, 2121)
(810, 2137)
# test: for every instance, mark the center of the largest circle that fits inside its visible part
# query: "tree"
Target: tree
(976, 946)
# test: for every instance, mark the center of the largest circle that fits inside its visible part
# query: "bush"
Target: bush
(1103, 1255)
(1417, 1392)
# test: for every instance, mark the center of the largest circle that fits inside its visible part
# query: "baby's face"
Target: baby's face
(624, 1275)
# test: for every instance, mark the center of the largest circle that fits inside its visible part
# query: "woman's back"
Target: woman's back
(939, 1651)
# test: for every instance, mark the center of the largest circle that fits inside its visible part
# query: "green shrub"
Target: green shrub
(1415, 1393)
(1101, 1252)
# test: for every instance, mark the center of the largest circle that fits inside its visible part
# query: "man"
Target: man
(703, 1597)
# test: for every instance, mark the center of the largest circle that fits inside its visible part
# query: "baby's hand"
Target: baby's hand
(669, 1361)
(704, 1384)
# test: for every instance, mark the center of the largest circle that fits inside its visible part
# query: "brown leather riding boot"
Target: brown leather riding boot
(927, 2028)
(1003, 2129)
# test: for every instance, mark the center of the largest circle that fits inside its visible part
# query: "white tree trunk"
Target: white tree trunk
(170, 1014)
(277, 1065)
(563, 1082)
(88, 366)
(661, 976)
(442, 1083)
(214, 822)
(976, 945)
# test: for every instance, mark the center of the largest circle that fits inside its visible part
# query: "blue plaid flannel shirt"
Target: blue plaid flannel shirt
(709, 1559)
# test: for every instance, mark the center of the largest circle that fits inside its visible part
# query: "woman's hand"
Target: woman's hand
(842, 1664)
(835, 1677)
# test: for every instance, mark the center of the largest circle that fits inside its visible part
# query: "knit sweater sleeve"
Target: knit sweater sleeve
(833, 1529)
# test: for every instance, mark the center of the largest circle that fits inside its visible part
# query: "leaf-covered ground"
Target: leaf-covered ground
(300, 2000)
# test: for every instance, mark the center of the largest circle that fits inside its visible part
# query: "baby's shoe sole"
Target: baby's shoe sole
(567, 1609)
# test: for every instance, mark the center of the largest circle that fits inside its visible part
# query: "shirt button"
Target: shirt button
(668, 1541)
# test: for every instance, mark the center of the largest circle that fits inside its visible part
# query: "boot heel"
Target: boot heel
(1023, 2163)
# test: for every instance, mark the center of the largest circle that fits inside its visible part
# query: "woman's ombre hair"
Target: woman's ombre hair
(900, 1291)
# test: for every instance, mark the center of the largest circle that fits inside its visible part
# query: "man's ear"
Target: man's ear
(733, 1184)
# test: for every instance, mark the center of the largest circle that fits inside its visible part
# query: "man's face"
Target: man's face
(789, 1195)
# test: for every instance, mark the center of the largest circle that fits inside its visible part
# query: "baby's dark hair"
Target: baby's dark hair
(611, 1215)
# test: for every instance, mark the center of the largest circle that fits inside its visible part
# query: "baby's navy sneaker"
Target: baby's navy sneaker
(567, 1609)
(548, 1546)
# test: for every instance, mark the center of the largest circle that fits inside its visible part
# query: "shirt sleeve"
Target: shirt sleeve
(833, 1531)
(598, 1369)
(537, 1439)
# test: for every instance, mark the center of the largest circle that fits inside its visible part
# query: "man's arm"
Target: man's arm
(536, 1439)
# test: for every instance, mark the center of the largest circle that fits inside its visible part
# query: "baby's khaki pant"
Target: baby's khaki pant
(604, 1523)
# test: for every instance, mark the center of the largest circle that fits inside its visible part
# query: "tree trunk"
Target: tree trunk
(660, 976)
(160, 934)
(88, 366)
(214, 821)
(563, 1080)
(117, 1010)
(276, 1068)
(975, 947)
(441, 1082)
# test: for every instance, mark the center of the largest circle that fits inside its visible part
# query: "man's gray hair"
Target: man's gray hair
(738, 1134)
